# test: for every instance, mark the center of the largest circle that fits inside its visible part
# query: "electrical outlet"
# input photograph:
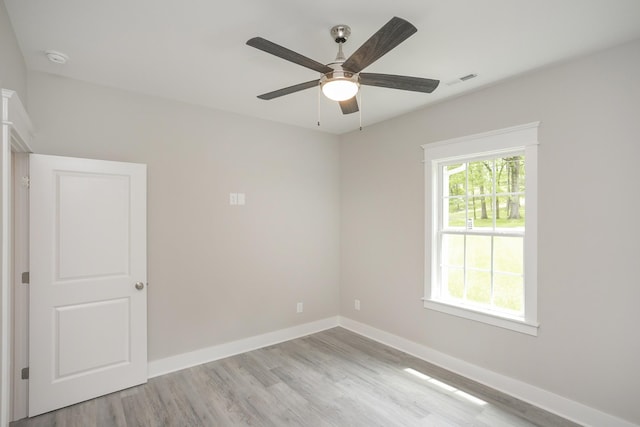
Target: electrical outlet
(299, 308)
(356, 304)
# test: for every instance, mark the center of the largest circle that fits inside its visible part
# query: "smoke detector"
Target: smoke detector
(56, 57)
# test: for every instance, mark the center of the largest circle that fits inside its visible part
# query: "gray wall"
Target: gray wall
(217, 273)
(13, 71)
(588, 345)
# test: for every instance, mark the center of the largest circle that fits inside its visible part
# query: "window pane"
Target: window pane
(455, 215)
(501, 207)
(478, 252)
(453, 250)
(508, 292)
(514, 210)
(503, 175)
(480, 213)
(454, 180)
(517, 173)
(510, 176)
(511, 212)
(508, 254)
(479, 286)
(454, 282)
(481, 178)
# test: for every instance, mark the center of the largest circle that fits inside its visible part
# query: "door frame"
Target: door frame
(16, 137)
(20, 353)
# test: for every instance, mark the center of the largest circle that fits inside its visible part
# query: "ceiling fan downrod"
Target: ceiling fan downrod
(340, 34)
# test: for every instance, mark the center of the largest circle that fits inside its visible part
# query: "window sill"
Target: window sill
(483, 316)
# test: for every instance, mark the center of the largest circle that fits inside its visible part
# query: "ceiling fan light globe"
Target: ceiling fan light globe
(339, 89)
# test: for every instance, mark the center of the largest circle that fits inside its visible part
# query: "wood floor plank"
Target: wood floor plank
(333, 378)
(137, 408)
(209, 396)
(230, 389)
(109, 411)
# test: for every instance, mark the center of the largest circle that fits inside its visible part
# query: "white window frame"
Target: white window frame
(494, 143)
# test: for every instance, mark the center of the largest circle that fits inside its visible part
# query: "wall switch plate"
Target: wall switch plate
(356, 304)
(237, 198)
(299, 308)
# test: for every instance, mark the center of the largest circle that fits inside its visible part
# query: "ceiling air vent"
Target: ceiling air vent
(462, 79)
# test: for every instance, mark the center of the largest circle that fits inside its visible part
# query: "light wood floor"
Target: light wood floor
(332, 378)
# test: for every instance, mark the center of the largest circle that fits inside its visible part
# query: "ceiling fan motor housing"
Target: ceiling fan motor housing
(339, 73)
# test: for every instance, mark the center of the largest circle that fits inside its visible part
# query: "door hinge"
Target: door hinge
(25, 278)
(24, 374)
(26, 181)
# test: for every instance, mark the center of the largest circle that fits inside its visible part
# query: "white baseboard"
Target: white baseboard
(551, 402)
(209, 354)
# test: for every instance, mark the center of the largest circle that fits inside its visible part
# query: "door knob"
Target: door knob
(139, 286)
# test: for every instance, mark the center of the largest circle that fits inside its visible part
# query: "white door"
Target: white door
(88, 302)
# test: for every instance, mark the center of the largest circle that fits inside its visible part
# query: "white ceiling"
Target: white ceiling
(194, 50)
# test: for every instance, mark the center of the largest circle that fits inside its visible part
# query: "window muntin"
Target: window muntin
(467, 212)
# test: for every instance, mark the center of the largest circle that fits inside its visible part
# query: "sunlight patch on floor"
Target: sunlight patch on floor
(446, 387)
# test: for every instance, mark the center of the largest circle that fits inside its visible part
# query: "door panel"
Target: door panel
(79, 349)
(87, 252)
(93, 225)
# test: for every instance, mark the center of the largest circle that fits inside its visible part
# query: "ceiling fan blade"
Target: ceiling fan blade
(349, 106)
(289, 55)
(416, 84)
(389, 36)
(288, 90)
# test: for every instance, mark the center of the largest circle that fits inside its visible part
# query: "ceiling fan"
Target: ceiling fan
(341, 79)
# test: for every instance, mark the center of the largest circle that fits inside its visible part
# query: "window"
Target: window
(481, 227)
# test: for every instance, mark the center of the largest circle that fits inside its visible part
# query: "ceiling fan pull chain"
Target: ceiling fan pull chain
(319, 96)
(360, 109)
